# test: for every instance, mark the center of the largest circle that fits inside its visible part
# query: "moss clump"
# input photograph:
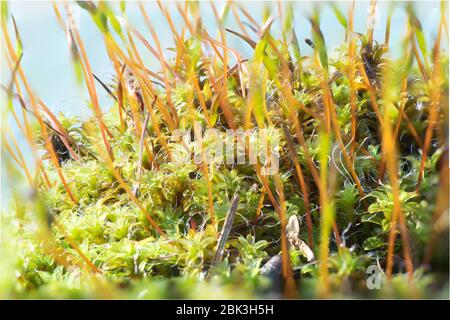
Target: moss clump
(115, 214)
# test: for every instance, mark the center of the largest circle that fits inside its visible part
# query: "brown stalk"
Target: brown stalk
(144, 82)
(104, 86)
(59, 18)
(372, 17)
(224, 234)
(337, 132)
(403, 98)
(313, 169)
(411, 128)
(372, 92)
(249, 17)
(243, 37)
(92, 93)
(230, 72)
(156, 126)
(290, 289)
(153, 51)
(147, 88)
(351, 77)
(419, 60)
(374, 104)
(204, 167)
(180, 50)
(440, 210)
(223, 102)
(225, 50)
(444, 21)
(389, 151)
(54, 126)
(216, 52)
(27, 129)
(169, 20)
(285, 86)
(201, 99)
(396, 215)
(239, 60)
(266, 187)
(388, 29)
(435, 93)
(164, 64)
(21, 157)
(238, 20)
(186, 19)
(9, 91)
(260, 205)
(331, 119)
(434, 105)
(301, 139)
(48, 145)
(132, 50)
(21, 163)
(301, 180)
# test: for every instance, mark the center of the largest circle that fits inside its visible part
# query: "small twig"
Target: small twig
(104, 86)
(13, 76)
(243, 37)
(229, 219)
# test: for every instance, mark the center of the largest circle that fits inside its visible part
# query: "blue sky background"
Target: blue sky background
(47, 63)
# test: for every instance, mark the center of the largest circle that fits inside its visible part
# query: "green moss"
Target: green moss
(112, 231)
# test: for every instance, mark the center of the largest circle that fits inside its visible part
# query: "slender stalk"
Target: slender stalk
(351, 77)
(435, 95)
(303, 186)
(89, 79)
(224, 234)
(290, 290)
(327, 214)
(33, 100)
